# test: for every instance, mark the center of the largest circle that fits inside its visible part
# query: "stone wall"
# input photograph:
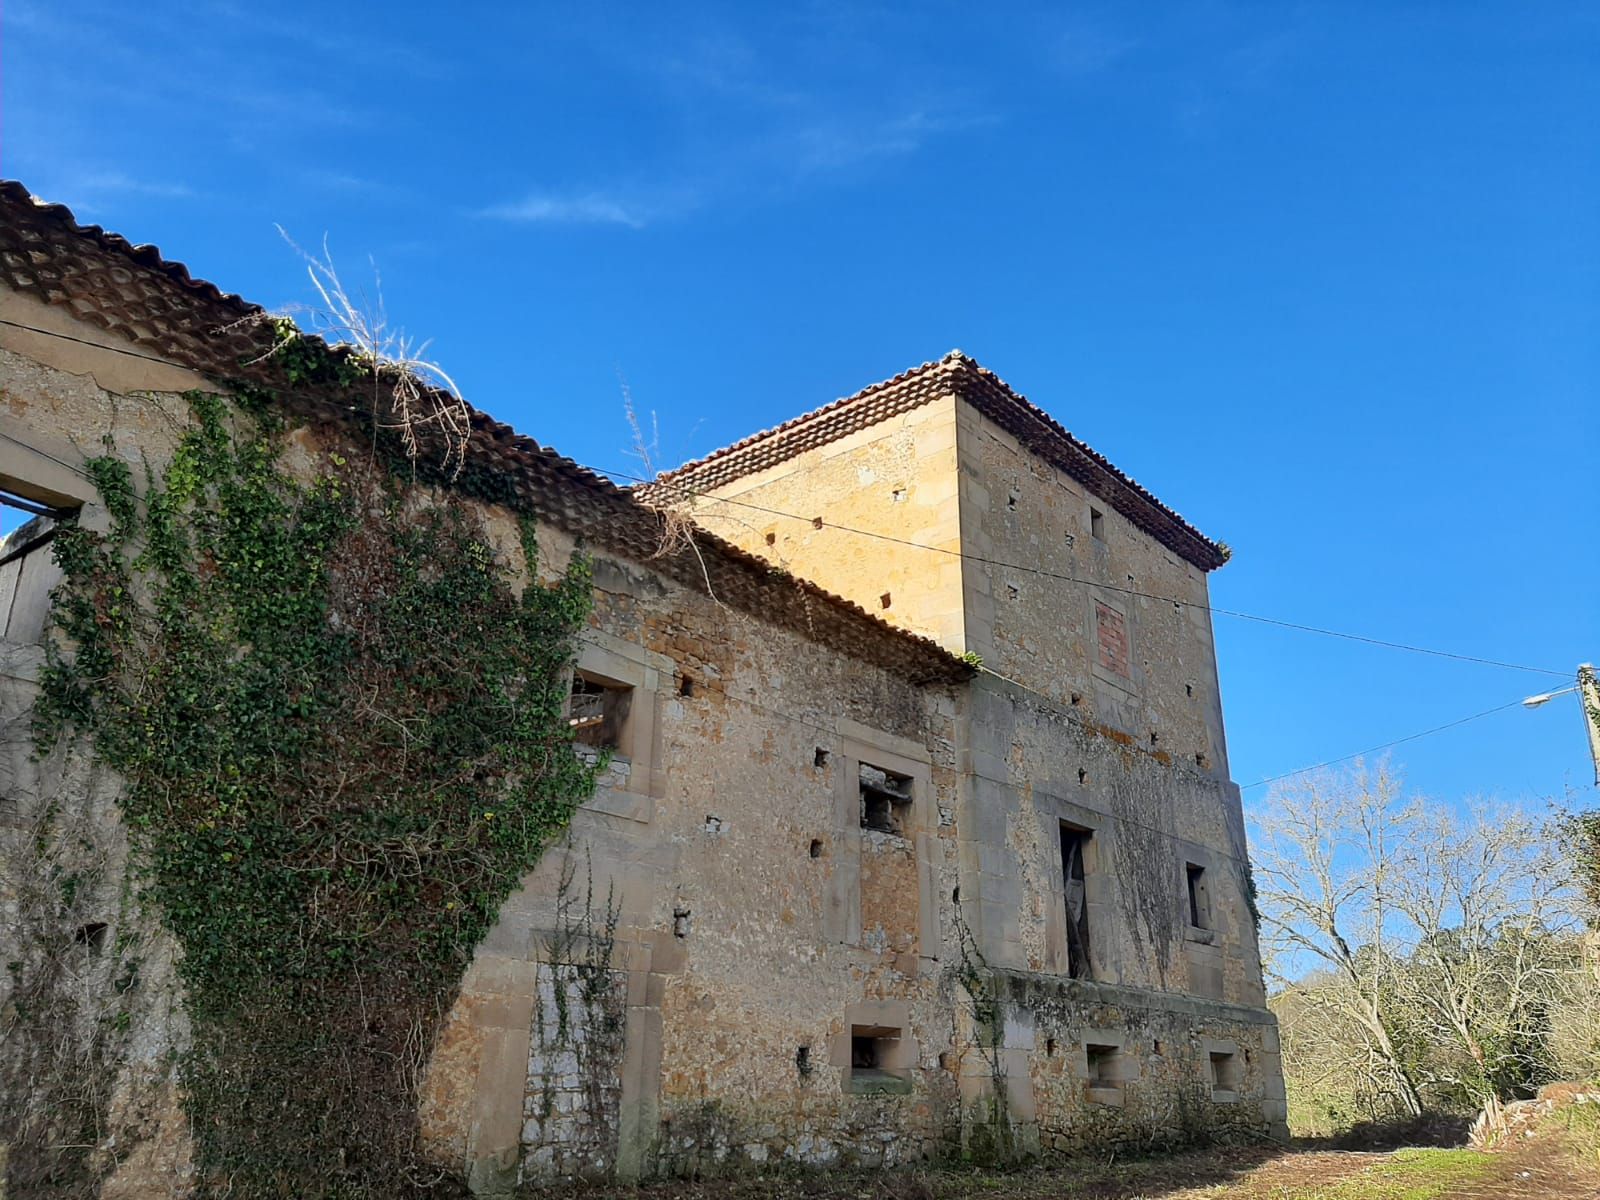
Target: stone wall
(754, 925)
(720, 967)
(90, 1011)
(896, 478)
(1039, 626)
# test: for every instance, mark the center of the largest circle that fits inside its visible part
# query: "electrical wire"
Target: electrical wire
(822, 523)
(818, 522)
(1488, 712)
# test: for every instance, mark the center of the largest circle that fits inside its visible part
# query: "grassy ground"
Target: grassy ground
(1561, 1164)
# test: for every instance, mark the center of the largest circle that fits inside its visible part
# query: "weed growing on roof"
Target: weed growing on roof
(343, 741)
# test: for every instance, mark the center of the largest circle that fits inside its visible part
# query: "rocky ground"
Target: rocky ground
(1552, 1153)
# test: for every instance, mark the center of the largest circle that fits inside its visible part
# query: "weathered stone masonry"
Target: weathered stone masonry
(842, 897)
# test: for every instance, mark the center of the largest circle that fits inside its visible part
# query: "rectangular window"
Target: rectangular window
(1102, 1063)
(1074, 844)
(598, 712)
(885, 800)
(1097, 524)
(1225, 1075)
(873, 1054)
(1104, 1072)
(27, 569)
(1199, 896)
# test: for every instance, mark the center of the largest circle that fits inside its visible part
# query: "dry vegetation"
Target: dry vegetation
(1424, 958)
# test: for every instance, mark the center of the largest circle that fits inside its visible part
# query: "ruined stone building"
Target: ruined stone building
(919, 831)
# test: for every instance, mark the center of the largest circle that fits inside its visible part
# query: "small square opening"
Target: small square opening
(885, 800)
(872, 1058)
(1226, 1075)
(1102, 1065)
(598, 711)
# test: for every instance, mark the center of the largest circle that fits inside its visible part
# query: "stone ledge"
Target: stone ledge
(1089, 992)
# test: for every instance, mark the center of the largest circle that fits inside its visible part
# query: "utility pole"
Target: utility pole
(1589, 697)
(1588, 689)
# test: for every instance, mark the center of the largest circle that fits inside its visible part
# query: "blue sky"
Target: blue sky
(1324, 277)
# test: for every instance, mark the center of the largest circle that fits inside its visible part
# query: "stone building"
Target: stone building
(918, 838)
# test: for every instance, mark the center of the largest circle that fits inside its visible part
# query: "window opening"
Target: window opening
(1097, 524)
(1225, 1075)
(1199, 896)
(885, 800)
(27, 568)
(871, 1051)
(1102, 1062)
(598, 712)
(1073, 843)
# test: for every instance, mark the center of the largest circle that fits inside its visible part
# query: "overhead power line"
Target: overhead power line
(822, 523)
(818, 522)
(1488, 712)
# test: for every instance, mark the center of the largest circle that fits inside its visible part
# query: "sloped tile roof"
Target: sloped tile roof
(157, 306)
(957, 375)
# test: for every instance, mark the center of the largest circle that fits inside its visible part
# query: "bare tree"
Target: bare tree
(1487, 919)
(1324, 855)
(1444, 935)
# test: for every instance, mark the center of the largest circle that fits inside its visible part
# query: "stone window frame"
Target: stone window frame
(1099, 852)
(44, 481)
(859, 744)
(1193, 854)
(1127, 1066)
(1132, 683)
(1214, 1048)
(890, 1022)
(1197, 896)
(608, 659)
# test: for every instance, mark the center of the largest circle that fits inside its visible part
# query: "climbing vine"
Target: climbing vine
(341, 730)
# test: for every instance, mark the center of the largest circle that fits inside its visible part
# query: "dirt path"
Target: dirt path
(1534, 1171)
(1541, 1169)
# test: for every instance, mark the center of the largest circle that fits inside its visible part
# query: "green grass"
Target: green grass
(1408, 1175)
(1580, 1129)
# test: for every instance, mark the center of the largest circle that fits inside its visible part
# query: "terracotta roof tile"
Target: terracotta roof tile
(957, 375)
(150, 301)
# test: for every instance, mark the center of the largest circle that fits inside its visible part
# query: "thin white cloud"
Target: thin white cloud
(588, 208)
(592, 208)
(87, 189)
(836, 144)
(1086, 51)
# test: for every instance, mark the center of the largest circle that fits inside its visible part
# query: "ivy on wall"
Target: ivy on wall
(343, 738)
